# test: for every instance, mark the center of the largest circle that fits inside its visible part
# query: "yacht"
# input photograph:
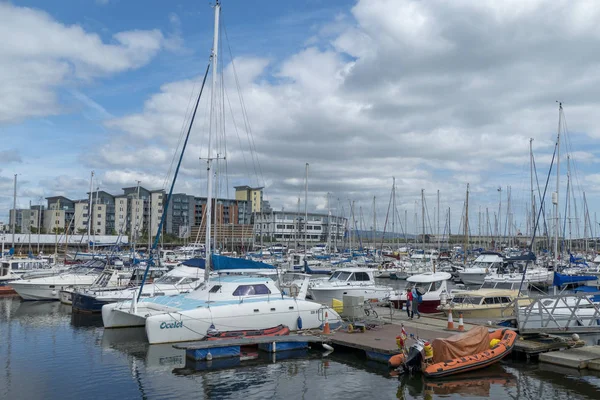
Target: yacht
(225, 303)
(485, 263)
(48, 288)
(433, 285)
(349, 282)
(181, 279)
(16, 268)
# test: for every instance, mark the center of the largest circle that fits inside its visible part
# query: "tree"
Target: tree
(81, 231)
(58, 230)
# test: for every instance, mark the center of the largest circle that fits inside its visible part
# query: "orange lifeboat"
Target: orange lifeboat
(499, 344)
(279, 330)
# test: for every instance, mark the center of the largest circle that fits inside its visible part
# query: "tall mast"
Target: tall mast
(500, 215)
(438, 219)
(208, 216)
(306, 211)
(466, 223)
(556, 194)
(531, 186)
(423, 218)
(297, 230)
(89, 219)
(374, 221)
(14, 221)
(328, 225)
(568, 216)
(39, 224)
(394, 211)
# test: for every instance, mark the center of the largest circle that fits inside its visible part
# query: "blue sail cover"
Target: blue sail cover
(560, 279)
(221, 263)
(576, 260)
(528, 256)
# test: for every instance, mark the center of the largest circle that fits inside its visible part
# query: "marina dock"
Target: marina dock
(587, 357)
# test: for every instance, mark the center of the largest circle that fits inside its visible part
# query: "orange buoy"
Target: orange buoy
(396, 360)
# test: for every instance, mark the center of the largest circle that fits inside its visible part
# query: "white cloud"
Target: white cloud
(44, 55)
(435, 93)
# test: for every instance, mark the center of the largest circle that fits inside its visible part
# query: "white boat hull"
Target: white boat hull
(472, 278)
(42, 291)
(193, 324)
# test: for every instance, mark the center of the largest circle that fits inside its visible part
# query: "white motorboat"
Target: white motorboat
(485, 263)
(48, 288)
(181, 279)
(16, 268)
(226, 303)
(431, 284)
(349, 282)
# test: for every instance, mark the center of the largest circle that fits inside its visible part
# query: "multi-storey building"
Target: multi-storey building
(283, 226)
(60, 214)
(25, 220)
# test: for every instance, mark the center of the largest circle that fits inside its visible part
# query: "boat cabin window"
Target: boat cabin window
(488, 285)
(504, 285)
(488, 300)
(504, 300)
(215, 289)
(249, 290)
(103, 279)
(422, 287)
(187, 280)
(360, 276)
(467, 299)
(340, 276)
(168, 280)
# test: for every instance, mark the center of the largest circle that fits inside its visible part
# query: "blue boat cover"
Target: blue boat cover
(529, 256)
(220, 263)
(561, 279)
(576, 260)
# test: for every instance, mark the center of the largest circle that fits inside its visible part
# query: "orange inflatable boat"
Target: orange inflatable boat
(469, 351)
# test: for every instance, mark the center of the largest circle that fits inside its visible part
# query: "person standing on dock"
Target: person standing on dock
(416, 298)
(409, 300)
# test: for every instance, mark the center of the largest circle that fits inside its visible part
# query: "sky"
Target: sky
(436, 94)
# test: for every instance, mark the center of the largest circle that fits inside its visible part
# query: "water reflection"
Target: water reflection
(47, 352)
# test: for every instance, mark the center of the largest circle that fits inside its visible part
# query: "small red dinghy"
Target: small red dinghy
(279, 330)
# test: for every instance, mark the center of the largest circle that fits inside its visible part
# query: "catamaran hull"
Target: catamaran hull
(194, 324)
(114, 315)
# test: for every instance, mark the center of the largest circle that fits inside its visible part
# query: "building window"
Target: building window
(99, 208)
(280, 226)
(99, 215)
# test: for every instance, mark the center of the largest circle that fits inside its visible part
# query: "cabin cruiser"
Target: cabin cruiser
(48, 288)
(16, 268)
(159, 282)
(484, 303)
(485, 263)
(432, 285)
(349, 282)
(225, 303)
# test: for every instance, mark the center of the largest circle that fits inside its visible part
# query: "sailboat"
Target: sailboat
(222, 303)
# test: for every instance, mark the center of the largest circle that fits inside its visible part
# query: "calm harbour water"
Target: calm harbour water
(48, 353)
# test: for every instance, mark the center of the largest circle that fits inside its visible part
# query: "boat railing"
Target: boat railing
(562, 313)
